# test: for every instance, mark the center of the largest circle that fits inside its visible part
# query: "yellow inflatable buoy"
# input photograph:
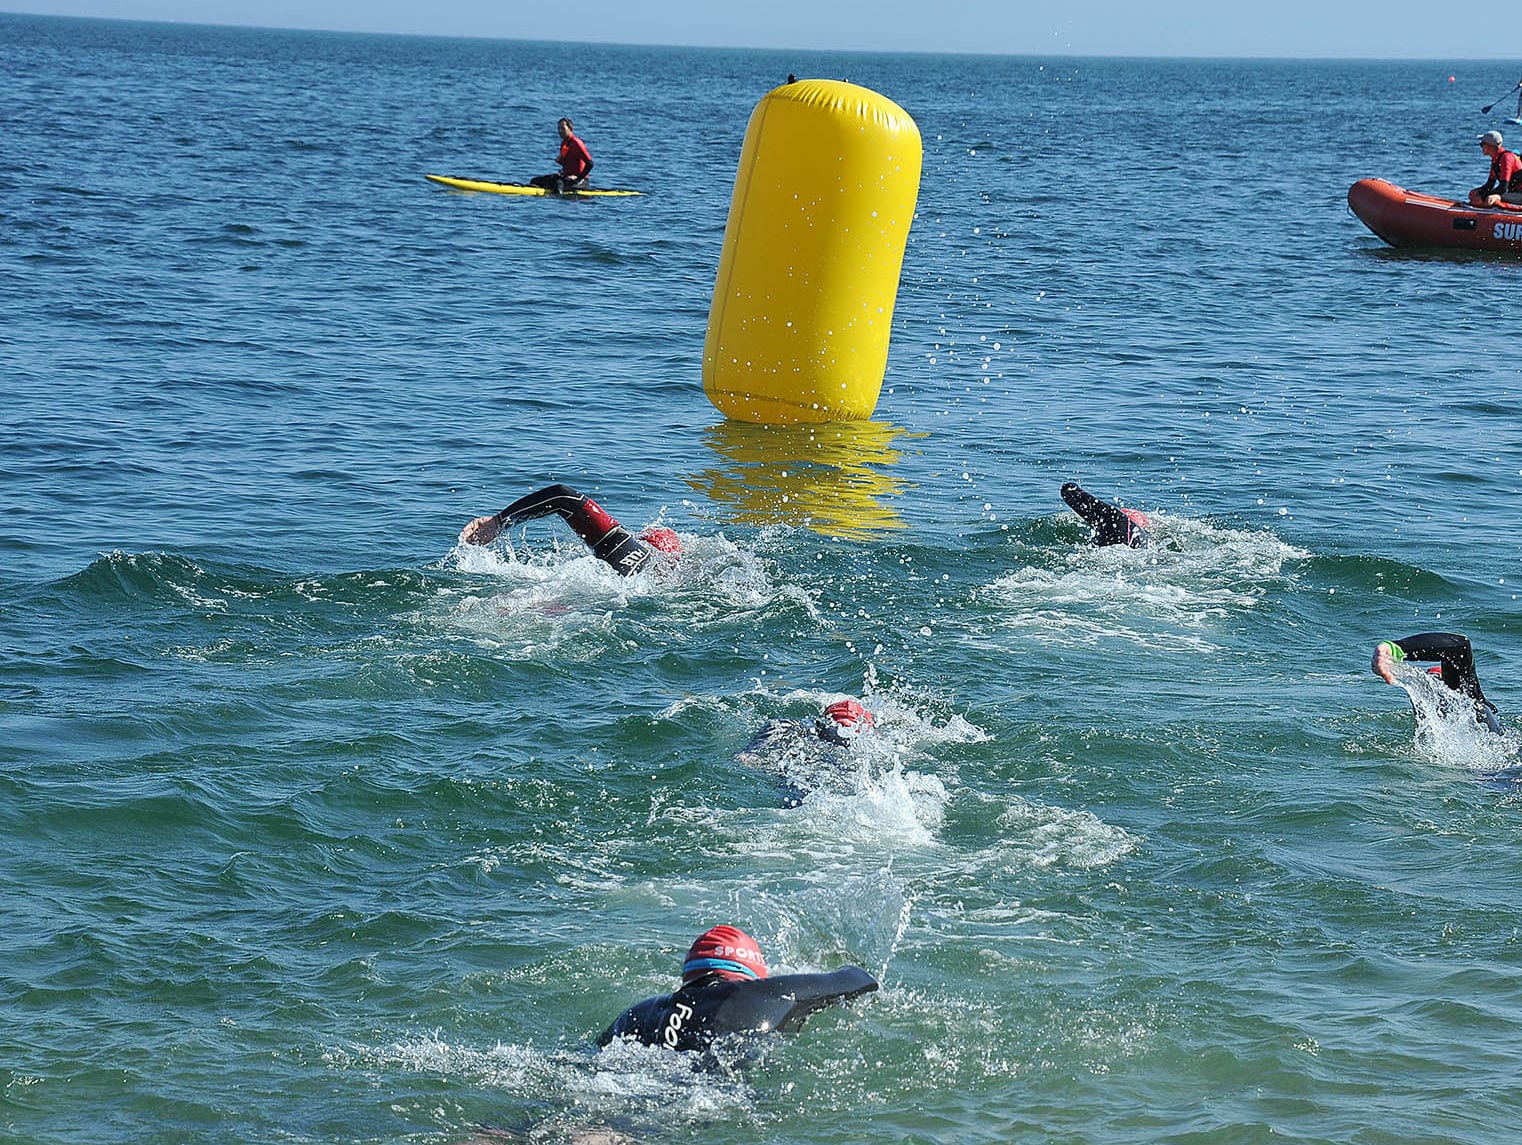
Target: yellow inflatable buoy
(803, 304)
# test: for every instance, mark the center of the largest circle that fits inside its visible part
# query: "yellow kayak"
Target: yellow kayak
(521, 188)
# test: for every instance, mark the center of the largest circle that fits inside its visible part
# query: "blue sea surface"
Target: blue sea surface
(315, 827)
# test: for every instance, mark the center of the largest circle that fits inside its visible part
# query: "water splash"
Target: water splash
(1446, 730)
(627, 1091)
(546, 599)
(1166, 595)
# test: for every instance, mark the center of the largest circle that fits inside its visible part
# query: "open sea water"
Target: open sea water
(316, 828)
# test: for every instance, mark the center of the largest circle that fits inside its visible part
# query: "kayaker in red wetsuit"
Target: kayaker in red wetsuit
(574, 159)
(1504, 187)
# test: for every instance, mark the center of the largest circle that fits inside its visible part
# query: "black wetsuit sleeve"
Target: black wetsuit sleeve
(1110, 525)
(776, 734)
(609, 541)
(1455, 656)
(693, 1017)
(561, 499)
(622, 1027)
(782, 1003)
(1450, 650)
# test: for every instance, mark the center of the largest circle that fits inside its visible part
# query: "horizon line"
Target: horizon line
(326, 31)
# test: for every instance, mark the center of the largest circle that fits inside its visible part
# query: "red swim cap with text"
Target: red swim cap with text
(726, 951)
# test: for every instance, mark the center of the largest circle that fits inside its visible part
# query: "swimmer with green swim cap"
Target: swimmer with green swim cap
(1453, 662)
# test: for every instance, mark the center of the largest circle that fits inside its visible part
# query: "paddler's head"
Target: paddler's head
(566, 128)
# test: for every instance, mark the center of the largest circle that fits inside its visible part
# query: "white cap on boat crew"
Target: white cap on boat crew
(1491, 137)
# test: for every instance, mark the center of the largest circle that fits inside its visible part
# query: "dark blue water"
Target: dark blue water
(314, 827)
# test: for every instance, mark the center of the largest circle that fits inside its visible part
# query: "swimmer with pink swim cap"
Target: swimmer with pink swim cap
(726, 991)
(609, 541)
(843, 721)
(804, 755)
(1112, 525)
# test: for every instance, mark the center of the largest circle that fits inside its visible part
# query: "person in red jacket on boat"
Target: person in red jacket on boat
(1504, 187)
(574, 159)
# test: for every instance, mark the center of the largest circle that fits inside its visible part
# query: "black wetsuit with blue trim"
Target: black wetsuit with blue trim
(697, 1014)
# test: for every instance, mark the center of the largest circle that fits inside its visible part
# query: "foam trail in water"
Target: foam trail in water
(535, 597)
(625, 1092)
(1166, 594)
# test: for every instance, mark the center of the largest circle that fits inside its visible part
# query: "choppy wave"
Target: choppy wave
(621, 1094)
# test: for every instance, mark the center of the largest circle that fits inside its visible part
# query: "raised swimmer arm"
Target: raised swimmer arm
(1112, 525)
(694, 1016)
(782, 1003)
(1454, 656)
(609, 541)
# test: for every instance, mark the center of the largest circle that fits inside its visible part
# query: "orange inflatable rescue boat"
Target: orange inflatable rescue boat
(1410, 218)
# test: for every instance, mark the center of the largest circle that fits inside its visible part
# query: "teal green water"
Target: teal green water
(314, 828)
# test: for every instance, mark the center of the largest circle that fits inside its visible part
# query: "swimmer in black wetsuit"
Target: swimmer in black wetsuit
(800, 752)
(610, 542)
(1111, 524)
(840, 724)
(725, 990)
(1455, 665)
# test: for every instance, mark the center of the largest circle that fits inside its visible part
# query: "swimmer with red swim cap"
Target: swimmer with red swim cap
(804, 754)
(726, 990)
(843, 722)
(609, 541)
(1112, 525)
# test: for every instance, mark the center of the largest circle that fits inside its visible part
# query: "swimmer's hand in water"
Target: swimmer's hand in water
(1386, 656)
(481, 531)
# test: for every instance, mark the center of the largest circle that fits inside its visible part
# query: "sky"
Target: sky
(1390, 29)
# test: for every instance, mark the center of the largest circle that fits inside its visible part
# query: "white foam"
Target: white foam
(625, 1081)
(1043, 836)
(886, 809)
(549, 597)
(1167, 594)
(1446, 730)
